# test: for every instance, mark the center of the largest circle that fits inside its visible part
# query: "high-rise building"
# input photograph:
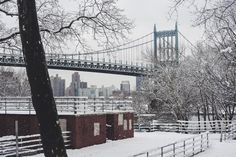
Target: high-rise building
(83, 84)
(58, 85)
(106, 92)
(73, 89)
(94, 92)
(125, 88)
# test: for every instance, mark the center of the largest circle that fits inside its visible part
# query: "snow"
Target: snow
(219, 149)
(228, 49)
(144, 141)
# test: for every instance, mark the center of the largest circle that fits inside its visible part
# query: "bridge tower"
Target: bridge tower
(166, 46)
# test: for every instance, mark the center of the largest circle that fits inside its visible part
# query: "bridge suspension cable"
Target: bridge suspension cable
(131, 52)
(188, 40)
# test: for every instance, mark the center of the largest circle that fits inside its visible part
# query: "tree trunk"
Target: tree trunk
(41, 91)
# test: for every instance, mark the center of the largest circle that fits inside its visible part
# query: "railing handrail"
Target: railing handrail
(230, 133)
(204, 143)
(26, 144)
(187, 126)
(80, 105)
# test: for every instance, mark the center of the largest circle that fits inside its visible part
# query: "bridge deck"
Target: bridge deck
(81, 65)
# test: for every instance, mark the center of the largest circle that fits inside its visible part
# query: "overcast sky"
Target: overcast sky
(145, 14)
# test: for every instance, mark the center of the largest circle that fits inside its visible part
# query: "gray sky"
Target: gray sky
(145, 14)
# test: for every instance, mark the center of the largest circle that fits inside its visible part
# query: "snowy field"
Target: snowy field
(146, 141)
(219, 149)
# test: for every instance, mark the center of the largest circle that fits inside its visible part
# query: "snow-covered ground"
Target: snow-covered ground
(144, 141)
(123, 148)
(219, 149)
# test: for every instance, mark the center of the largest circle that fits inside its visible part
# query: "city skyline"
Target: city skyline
(102, 81)
(79, 87)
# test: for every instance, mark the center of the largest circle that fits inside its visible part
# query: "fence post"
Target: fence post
(178, 127)
(94, 105)
(16, 132)
(193, 145)
(147, 154)
(75, 109)
(173, 149)
(84, 106)
(112, 104)
(207, 139)
(5, 105)
(29, 106)
(184, 148)
(201, 142)
(103, 106)
(161, 151)
(221, 135)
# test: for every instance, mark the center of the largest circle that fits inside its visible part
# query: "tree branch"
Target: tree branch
(4, 1)
(7, 13)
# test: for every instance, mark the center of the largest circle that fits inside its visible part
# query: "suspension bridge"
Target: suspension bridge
(134, 58)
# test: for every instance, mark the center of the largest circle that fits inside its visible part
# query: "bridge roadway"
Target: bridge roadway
(64, 63)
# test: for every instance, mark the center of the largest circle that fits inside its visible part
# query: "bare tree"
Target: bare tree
(218, 52)
(171, 90)
(48, 23)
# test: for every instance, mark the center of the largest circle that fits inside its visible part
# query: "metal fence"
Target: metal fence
(66, 105)
(25, 145)
(217, 126)
(188, 147)
(230, 133)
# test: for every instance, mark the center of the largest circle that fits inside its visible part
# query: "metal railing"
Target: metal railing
(188, 147)
(217, 126)
(230, 133)
(26, 145)
(66, 105)
(84, 64)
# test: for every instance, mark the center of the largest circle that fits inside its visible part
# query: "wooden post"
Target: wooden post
(161, 151)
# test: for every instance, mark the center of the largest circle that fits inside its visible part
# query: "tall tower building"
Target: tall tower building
(125, 88)
(58, 85)
(75, 84)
